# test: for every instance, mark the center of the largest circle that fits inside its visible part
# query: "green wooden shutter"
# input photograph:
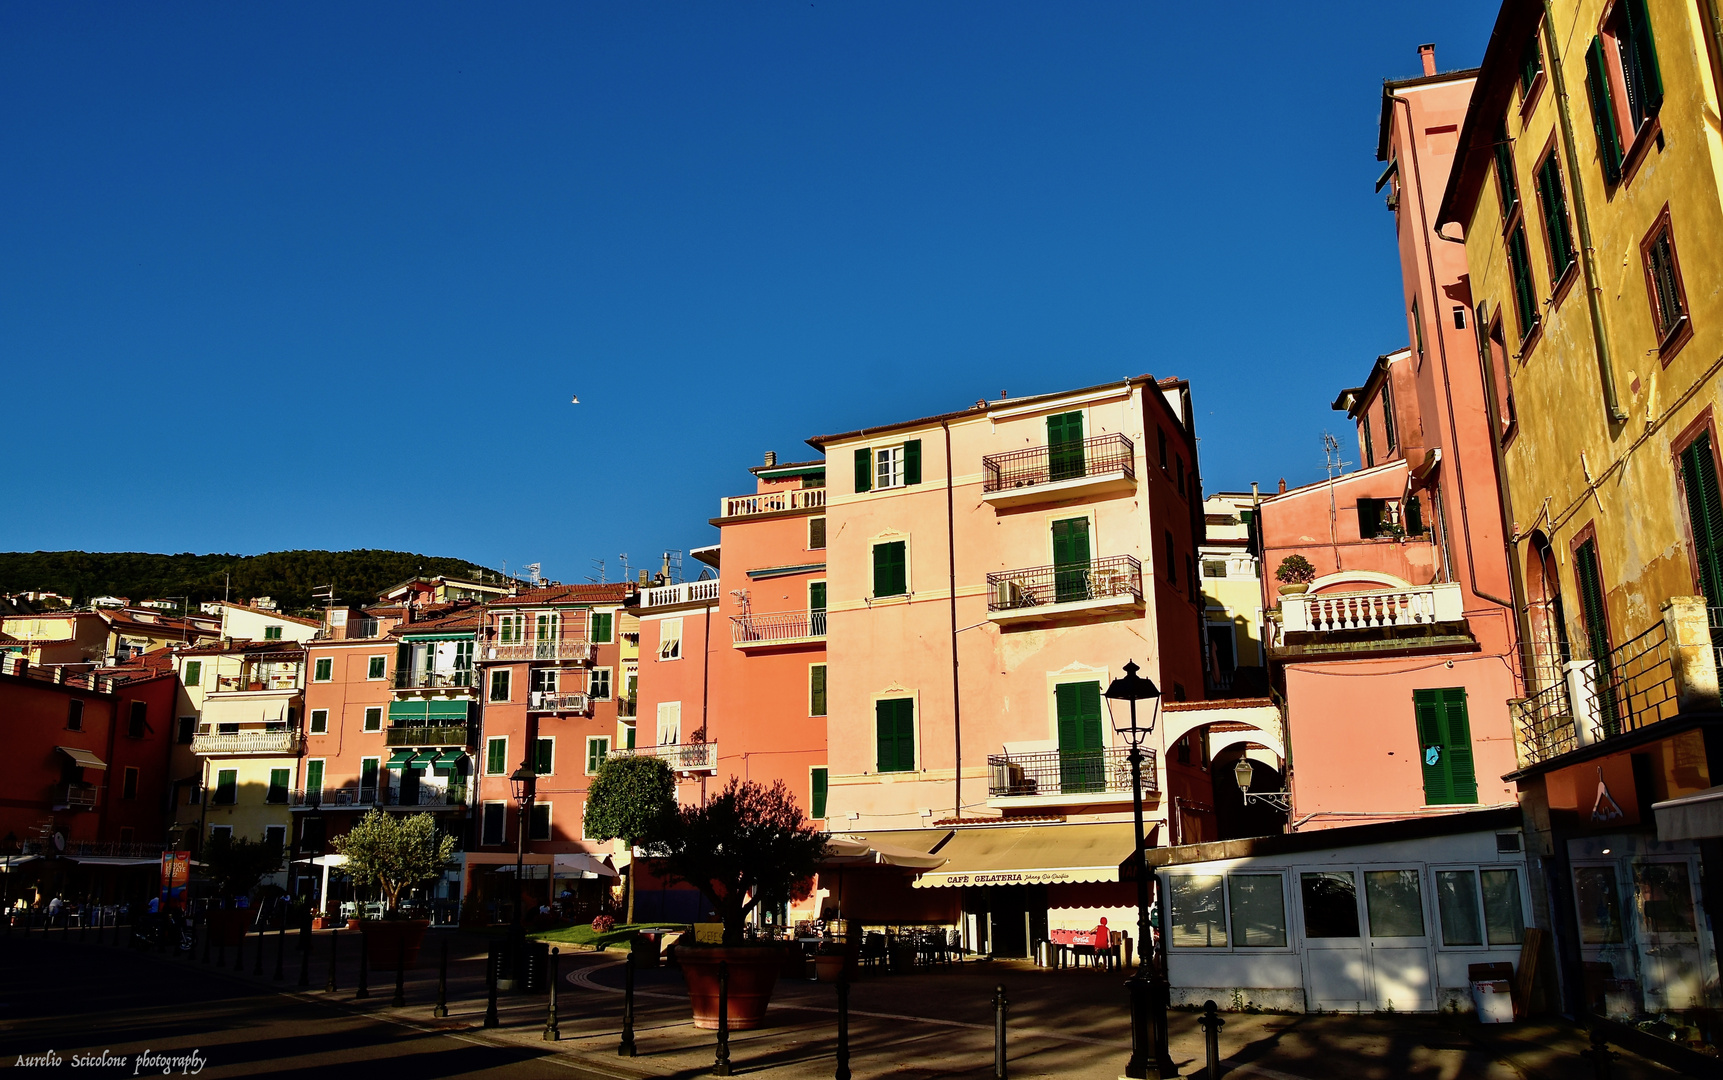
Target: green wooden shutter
(1592, 609)
(1603, 111)
(496, 762)
(1369, 444)
(1705, 513)
(596, 749)
(817, 596)
(1645, 53)
(817, 690)
(912, 462)
(1065, 446)
(864, 469)
(545, 755)
(889, 578)
(314, 776)
(885, 737)
(894, 721)
(1457, 738)
(1525, 290)
(1509, 187)
(1554, 201)
(1070, 559)
(1432, 755)
(1081, 765)
(817, 793)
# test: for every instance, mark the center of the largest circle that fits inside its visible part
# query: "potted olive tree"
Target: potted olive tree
(748, 846)
(396, 852)
(234, 868)
(629, 800)
(1295, 574)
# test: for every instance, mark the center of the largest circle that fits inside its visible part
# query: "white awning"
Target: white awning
(1698, 816)
(1033, 855)
(325, 860)
(865, 850)
(111, 860)
(583, 866)
(7, 862)
(82, 758)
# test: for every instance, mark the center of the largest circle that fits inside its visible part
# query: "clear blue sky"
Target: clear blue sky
(322, 275)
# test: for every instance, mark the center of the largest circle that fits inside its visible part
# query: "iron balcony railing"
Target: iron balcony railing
(1050, 464)
(772, 502)
(689, 592)
(341, 795)
(682, 757)
(453, 795)
(432, 680)
(783, 626)
(256, 682)
(578, 649)
(1115, 576)
(1066, 772)
(1543, 724)
(247, 742)
(547, 701)
(439, 735)
(1630, 687)
(627, 707)
(83, 795)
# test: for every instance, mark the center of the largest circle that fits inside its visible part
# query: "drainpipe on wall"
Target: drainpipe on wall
(1605, 366)
(1516, 579)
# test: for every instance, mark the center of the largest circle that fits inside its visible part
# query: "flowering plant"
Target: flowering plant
(604, 924)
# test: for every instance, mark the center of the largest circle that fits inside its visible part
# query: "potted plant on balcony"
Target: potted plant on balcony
(629, 800)
(396, 852)
(234, 868)
(748, 846)
(1294, 574)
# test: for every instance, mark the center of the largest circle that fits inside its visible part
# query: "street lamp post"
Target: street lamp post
(1148, 988)
(521, 781)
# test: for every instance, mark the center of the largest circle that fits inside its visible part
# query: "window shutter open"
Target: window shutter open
(1645, 52)
(1603, 111)
(885, 749)
(912, 462)
(817, 690)
(1705, 513)
(817, 804)
(864, 470)
(1432, 755)
(1457, 738)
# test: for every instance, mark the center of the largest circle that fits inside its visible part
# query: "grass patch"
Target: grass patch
(584, 934)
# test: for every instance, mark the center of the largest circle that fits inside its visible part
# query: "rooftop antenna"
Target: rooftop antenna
(601, 579)
(327, 595)
(533, 568)
(627, 571)
(673, 567)
(1335, 466)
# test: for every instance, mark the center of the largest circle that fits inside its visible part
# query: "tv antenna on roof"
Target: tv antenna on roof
(600, 579)
(533, 569)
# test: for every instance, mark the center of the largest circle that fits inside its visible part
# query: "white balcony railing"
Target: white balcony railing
(247, 742)
(1420, 605)
(682, 757)
(578, 649)
(546, 701)
(252, 684)
(689, 592)
(772, 502)
(746, 630)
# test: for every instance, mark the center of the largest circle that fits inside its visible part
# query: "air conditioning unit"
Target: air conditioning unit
(1007, 594)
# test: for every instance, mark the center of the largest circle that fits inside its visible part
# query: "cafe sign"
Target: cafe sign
(979, 878)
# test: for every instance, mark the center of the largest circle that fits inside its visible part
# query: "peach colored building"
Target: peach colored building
(1397, 664)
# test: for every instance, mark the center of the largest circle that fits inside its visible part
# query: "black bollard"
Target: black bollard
(1600, 1054)
(721, 1066)
(305, 952)
(262, 936)
(281, 948)
(1211, 1025)
(491, 962)
(999, 1007)
(843, 1072)
(442, 1008)
(364, 990)
(627, 1048)
(400, 973)
(334, 951)
(552, 1033)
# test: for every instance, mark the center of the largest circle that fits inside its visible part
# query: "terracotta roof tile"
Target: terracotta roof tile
(613, 593)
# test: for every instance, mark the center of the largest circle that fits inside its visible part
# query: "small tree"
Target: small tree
(236, 866)
(1295, 570)
(396, 852)
(629, 800)
(749, 845)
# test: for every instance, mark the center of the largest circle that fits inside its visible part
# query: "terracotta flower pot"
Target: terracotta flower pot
(384, 939)
(828, 968)
(1293, 588)
(355, 924)
(753, 971)
(320, 923)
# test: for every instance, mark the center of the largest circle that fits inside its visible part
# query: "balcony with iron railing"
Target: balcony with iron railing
(783, 628)
(1066, 777)
(578, 650)
(627, 706)
(550, 701)
(426, 795)
(772, 502)
(351, 796)
(247, 742)
(1095, 466)
(76, 796)
(681, 757)
(413, 679)
(437, 735)
(688, 592)
(266, 680)
(357, 797)
(1052, 592)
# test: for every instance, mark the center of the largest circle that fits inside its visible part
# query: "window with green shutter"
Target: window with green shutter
(894, 726)
(500, 684)
(890, 569)
(1507, 188)
(193, 672)
(597, 749)
(817, 690)
(864, 470)
(1070, 560)
(1369, 446)
(1589, 577)
(546, 757)
(816, 534)
(1065, 446)
(1705, 516)
(314, 776)
(1445, 746)
(1552, 199)
(1388, 413)
(1082, 767)
(601, 622)
(497, 756)
(1525, 290)
(1531, 64)
(226, 787)
(278, 781)
(323, 670)
(272, 633)
(912, 462)
(1603, 116)
(378, 668)
(816, 793)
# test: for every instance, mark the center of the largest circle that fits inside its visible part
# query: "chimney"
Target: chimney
(1283, 485)
(1427, 53)
(771, 458)
(407, 611)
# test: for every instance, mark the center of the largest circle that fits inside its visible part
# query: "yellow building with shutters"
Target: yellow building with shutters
(1589, 190)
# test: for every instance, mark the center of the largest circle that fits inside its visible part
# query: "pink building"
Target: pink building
(1398, 662)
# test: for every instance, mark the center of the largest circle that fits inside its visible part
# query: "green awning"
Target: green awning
(401, 758)
(447, 636)
(435, 713)
(448, 757)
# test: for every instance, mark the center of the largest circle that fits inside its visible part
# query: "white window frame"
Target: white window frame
(317, 666)
(888, 467)
(504, 837)
(382, 780)
(549, 680)
(377, 678)
(810, 691)
(590, 739)
(551, 739)
(267, 829)
(365, 723)
(1438, 931)
(609, 683)
(508, 686)
(319, 722)
(505, 741)
(221, 830)
(614, 614)
(665, 639)
(1292, 921)
(510, 628)
(549, 818)
(323, 773)
(908, 569)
